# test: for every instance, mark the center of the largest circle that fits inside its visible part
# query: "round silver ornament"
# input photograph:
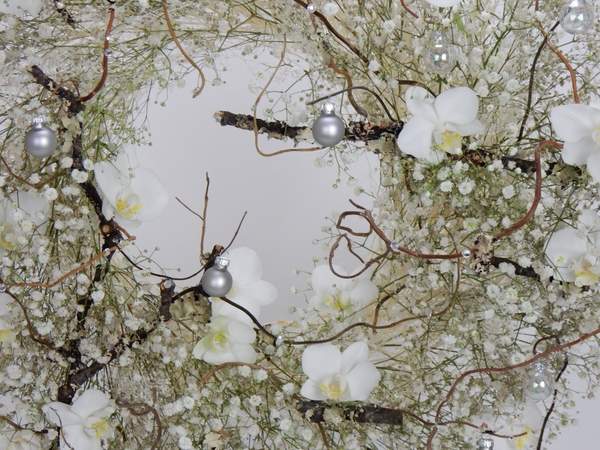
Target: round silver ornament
(40, 141)
(440, 57)
(539, 381)
(311, 8)
(466, 253)
(328, 130)
(577, 17)
(217, 281)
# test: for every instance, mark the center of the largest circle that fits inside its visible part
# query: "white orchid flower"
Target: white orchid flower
(21, 214)
(443, 3)
(20, 440)
(84, 423)
(248, 289)
(579, 127)
(575, 253)
(529, 422)
(229, 341)
(340, 295)
(437, 125)
(338, 376)
(6, 334)
(132, 194)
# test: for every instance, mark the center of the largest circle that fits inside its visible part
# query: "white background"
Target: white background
(287, 199)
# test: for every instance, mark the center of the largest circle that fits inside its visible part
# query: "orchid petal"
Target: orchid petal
(469, 129)
(362, 379)
(245, 266)
(577, 153)
(459, 105)
(421, 103)
(573, 122)
(323, 279)
(593, 165)
(220, 308)
(354, 354)
(312, 389)
(241, 333)
(89, 402)
(262, 292)
(416, 139)
(152, 194)
(60, 414)
(364, 292)
(244, 353)
(78, 439)
(321, 360)
(108, 180)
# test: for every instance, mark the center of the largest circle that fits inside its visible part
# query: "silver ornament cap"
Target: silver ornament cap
(217, 281)
(40, 141)
(486, 442)
(328, 130)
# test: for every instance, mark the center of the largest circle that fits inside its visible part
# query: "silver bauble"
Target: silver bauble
(577, 17)
(40, 141)
(217, 281)
(440, 57)
(539, 381)
(328, 130)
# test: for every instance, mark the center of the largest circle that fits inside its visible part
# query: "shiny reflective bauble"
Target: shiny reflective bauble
(440, 56)
(486, 442)
(466, 253)
(311, 8)
(577, 17)
(328, 130)
(40, 141)
(217, 281)
(539, 381)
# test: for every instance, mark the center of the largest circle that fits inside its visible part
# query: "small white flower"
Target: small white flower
(255, 400)
(185, 443)
(374, 66)
(446, 186)
(79, 176)
(51, 194)
(508, 191)
(330, 9)
(338, 376)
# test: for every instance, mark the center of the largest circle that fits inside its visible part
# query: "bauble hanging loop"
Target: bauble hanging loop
(40, 141)
(328, 130)
(217, 281)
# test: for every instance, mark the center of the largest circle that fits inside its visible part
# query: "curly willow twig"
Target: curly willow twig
(255, 124)
(142, 409)
(395, 248)
(183, 52)
(104, 59)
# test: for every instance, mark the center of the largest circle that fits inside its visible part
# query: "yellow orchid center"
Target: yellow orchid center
(128, 204)
(596, 134)
(220, 341)
(523, 442)
(5, 230)
(586, 276)
(6, 336)
(451, 142)
(337, 299)
(334, 386)
(98, 427)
